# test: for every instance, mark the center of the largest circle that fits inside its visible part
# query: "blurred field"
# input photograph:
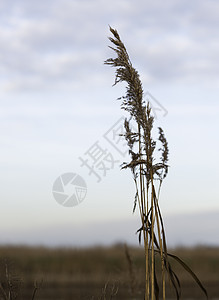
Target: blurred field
(66, 273)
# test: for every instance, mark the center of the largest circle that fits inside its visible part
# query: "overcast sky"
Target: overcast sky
(57, 101)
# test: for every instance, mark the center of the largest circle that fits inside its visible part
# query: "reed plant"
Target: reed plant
(148, 172)
(11, 283)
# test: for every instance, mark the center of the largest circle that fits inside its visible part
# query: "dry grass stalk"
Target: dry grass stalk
(108, 291)
(146, 170)
(10, 284)
(131, 270)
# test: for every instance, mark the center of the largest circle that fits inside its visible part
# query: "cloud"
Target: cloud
(64, 43)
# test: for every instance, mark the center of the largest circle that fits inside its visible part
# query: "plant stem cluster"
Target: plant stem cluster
(146, 170)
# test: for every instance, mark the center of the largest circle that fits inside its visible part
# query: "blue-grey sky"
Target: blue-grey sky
(57, 100)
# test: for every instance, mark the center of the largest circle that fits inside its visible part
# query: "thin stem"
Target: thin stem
(160, 243)
(147, 239)
(142, 189)
(152, 241)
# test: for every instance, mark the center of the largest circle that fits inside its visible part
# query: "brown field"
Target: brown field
(69, 273)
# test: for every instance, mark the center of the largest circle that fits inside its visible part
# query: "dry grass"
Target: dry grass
(83, 273)
(149, 167)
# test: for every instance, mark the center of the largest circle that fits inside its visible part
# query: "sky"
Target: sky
(57, 104)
